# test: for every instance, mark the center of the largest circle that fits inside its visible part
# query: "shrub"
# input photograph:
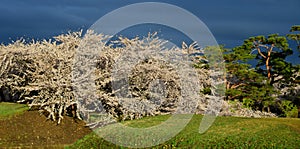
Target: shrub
(40, 73)
(289, 109)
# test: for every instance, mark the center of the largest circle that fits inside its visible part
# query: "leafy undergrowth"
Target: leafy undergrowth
(10, 109)
(226, 132)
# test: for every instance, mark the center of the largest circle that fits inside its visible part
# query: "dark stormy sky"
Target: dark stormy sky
(230, 21)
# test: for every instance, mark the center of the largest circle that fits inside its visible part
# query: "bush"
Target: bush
(289, 109)
(40, 73)
(248, 103)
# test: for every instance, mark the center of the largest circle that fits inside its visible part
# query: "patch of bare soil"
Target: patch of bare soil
(33, 130)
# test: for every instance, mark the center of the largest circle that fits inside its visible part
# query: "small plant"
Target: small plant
(248, 103)
(206, 91)
(289, 109)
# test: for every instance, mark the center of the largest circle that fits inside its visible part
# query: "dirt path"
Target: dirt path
(31, 129)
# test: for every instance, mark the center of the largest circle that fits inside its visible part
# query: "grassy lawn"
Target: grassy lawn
(9, 109)
(226, 132)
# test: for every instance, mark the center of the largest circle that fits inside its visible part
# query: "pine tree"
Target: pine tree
(295, 36)
(272, 51)
(244, 83)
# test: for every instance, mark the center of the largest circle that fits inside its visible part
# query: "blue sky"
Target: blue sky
(230, 21)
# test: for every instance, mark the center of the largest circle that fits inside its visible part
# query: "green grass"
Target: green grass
(9, 109)
(226, 132)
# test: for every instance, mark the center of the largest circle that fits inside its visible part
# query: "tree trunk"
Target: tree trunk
(268, 62)
(268, 68)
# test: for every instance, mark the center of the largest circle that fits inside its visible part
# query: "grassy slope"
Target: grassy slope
(226, 132)
(9, 109)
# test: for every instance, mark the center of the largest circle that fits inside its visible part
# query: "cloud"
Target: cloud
(35, 19)
(230, 21)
